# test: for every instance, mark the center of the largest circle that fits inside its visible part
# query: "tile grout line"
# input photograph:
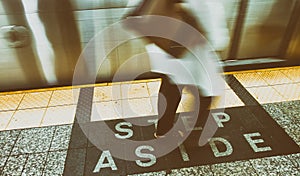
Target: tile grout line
(132, 98)
(121, 104)
(289, 82)
(284, 99)
(282, 96)
(43, 117)
(59, 150)
(292, 79)
(252, 165)
(41, 107)
(28, 128)
(269, 85)
(10, 153)
(45, 163)
(287, 76)
(48, 152)
(26, 161)
(148, 89)
(272, 86)
(15, 110)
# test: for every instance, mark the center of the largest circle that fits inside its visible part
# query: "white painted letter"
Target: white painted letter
(100, 164)
(225, 118)
(187, 122)
(124, 130)
(138, 152)
(154, 121)
(256, 141)
(184, 155)
(215, 150)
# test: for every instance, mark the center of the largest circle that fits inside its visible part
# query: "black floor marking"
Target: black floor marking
(250, 120)
(241, 91)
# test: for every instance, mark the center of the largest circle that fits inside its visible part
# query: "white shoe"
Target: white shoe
(158, 136)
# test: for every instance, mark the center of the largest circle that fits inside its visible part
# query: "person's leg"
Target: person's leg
(201, 104)
(205, 103)
(168, 101)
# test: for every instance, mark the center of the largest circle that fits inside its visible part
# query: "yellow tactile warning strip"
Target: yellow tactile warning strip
(272, 85)
(267, 69)
(35, 100)
(56, 106)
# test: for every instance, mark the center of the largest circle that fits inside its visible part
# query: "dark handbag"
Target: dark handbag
(173, 36)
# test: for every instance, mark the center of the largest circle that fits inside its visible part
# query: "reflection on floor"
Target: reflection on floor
(27, 149)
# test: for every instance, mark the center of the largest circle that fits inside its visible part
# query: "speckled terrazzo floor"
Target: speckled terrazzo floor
(36, 151)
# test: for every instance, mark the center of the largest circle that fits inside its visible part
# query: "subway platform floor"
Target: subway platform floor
(47, 131)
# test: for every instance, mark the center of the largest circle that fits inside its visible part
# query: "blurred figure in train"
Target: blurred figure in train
(50, 55)
(23, 47)
(62, 32)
